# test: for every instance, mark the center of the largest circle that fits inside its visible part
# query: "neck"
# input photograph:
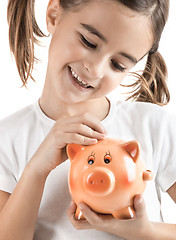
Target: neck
(55, 109)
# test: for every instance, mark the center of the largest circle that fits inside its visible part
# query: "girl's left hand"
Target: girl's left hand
(137, 228)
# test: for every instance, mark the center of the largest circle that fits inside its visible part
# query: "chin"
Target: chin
(70, 100)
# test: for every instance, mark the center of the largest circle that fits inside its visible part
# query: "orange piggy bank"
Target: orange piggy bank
(106, 176)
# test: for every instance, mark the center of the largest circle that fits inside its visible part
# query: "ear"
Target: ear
(52, 13)
(73, 149)
(132, 148)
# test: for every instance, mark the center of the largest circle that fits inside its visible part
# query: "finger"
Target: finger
(89, 120)
(139, 206)
(72, 209)
(78, 224)
(90, 215)
(84, 130)
(78, 139)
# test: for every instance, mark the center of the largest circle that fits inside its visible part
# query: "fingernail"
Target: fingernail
(93, 141)
(140, 200)
(71, 203)
(80, 206)
(104, 130)
(103, 136)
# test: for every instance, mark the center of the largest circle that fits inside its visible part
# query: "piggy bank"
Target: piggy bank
(106, 176)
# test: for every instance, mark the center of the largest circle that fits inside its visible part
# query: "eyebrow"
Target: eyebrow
(129, 57)
(94, 31)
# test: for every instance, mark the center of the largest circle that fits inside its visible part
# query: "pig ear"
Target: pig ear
(132, 148)
(73, 149)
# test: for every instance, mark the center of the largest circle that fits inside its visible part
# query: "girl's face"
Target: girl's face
(99, 43)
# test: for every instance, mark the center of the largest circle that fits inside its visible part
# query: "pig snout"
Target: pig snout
(99, 181)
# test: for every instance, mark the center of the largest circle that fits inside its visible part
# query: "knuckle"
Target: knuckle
(85, 141)
(70, 136)
(80, 127)
(87, 130)
(94, 134)
(86, 115)
(91, 133)
(75, 138)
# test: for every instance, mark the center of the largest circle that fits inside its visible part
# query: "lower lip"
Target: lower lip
(75, 84)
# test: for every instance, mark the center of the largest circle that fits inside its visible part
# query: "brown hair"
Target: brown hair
(151, 86)
(23, 32)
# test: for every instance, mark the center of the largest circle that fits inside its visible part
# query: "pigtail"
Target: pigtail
(151, 86)
(23, 30)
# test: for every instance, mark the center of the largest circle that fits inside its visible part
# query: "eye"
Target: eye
(107, 158)
(117, 66)
(91, 160)
(87, 43)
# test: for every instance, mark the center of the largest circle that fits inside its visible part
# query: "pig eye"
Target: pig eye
(107, 158)
(91, 160)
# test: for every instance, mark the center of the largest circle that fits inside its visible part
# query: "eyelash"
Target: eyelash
(92, 46)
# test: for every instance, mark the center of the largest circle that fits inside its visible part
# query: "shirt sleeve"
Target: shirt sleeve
(165, 151)
(7, 163)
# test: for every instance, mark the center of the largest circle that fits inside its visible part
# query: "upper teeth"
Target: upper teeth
(79, 79)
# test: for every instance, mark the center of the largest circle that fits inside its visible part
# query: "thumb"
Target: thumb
(72, 209)
(139, 206)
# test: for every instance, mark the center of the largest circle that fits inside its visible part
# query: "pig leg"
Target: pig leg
(124, 213)
(78, 214)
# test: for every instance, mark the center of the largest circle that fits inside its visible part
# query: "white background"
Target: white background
(13, 97)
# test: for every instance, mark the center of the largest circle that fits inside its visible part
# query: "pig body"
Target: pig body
(106, 176)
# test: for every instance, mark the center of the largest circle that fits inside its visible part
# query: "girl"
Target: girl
(93, 47)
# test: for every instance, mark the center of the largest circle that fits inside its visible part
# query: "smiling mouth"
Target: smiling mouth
(78, 79)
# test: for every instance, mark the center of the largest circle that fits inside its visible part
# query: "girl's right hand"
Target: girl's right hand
(83, 129)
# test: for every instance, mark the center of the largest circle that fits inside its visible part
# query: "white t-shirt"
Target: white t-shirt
(22, 133)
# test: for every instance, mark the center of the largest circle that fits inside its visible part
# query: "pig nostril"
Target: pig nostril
(99, 181)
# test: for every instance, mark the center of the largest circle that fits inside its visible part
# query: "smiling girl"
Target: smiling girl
(94, 45)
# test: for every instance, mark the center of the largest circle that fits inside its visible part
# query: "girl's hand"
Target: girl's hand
(82, 129)
(132, 229)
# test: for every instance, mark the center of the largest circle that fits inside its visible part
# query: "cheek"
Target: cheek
(113, 81)
(66, 51)
(75, 51)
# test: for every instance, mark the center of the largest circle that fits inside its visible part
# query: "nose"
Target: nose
(95, 67)
(100, 182)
